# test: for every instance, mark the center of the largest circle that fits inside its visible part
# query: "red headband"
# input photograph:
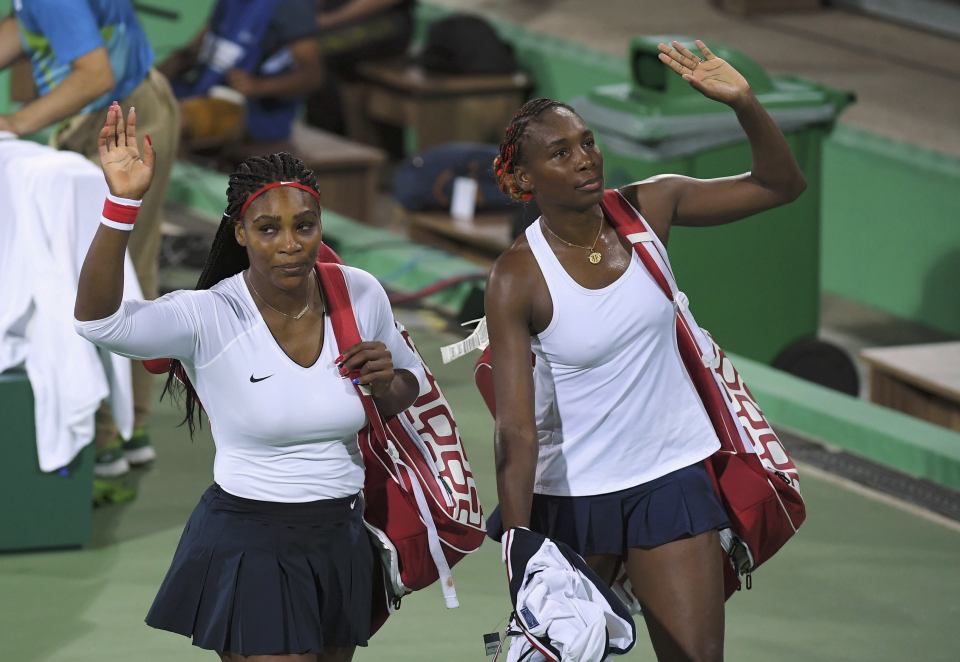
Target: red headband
(263, 189)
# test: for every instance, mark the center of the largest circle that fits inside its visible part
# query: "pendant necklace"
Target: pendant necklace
(594, 256)
(267, 303)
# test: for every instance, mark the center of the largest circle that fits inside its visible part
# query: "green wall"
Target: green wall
(166, 35)
(891, 227)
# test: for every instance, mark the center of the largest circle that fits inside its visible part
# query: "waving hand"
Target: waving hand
(127, 174)
(712, 76)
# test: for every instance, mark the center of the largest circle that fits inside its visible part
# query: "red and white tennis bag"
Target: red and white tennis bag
(421, 503)
(754, 477)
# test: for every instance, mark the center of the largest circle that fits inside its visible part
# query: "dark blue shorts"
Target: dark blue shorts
(681, 504)
(261, 578)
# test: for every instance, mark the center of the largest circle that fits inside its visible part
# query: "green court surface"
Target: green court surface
(864, 580)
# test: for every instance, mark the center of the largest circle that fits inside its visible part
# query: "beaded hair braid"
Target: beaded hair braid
(509, 154)
(227, 257)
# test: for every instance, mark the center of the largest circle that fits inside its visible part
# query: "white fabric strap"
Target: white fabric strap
(433, 538)
(126, 227)
(640, 237)
(126, 202)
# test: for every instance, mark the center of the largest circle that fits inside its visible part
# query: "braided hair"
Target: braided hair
(227, 257)
(510, 155)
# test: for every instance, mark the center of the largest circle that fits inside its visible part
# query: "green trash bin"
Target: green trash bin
(40, 510)
(754, 284)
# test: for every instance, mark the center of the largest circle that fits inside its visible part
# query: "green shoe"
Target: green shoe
(137, 450)
(107, 491)
(110, 462)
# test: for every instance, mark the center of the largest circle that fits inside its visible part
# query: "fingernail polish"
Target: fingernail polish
(339, 359)
(147, 138)
(343, 371)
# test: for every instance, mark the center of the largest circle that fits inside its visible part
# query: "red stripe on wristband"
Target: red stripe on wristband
(118, 213)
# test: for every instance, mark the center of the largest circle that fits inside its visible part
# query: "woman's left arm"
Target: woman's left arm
(385, 363)
(775, 177)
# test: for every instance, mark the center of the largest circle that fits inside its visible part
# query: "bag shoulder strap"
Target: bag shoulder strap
(632, 228)
(337, 298)
(345, 330)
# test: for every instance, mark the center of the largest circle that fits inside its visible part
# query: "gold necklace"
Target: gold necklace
(595, 256)
(267, 303)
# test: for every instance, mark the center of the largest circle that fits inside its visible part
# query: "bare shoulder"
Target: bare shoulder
(515, 265)
(515, 280)
(656, 200)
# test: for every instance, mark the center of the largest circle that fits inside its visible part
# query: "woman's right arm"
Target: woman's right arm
(100, 288)
(507, 304)
(138, 329)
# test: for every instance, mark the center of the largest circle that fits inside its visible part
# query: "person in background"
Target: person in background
(86, 54)
(351, 32)
(265, 50)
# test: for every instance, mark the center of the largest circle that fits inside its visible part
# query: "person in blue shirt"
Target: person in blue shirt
(264, 49)
(84, 55)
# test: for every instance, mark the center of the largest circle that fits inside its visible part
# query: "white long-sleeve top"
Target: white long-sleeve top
(283, 432)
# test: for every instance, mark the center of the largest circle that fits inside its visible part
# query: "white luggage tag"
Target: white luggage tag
(478, 340)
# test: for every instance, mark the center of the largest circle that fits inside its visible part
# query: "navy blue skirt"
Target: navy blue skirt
(681, 504)
(262, 578)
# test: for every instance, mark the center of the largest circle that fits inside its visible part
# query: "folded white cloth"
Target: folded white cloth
(50, 204)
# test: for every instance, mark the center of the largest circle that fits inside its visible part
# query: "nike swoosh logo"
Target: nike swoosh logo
(254, 380)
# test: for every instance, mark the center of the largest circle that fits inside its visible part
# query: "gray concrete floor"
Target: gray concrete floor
(907, 81)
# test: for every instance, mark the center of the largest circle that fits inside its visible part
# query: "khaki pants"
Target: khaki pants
(157, 115)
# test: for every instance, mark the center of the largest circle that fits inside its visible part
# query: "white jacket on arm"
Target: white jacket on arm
(564, 610)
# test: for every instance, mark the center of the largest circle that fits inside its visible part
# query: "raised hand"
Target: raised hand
(127, 174)
(712, 76)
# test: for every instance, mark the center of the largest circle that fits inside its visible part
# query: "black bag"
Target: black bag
(425, 181)
(465, 44)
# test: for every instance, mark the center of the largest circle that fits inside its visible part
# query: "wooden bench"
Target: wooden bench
(480, 240)
(920, 380)
(438, 108)
(347, 171)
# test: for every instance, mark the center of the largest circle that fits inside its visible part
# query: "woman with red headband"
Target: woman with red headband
(274, 563)
(602, 447)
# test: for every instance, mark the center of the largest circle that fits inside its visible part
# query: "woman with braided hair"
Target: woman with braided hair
(274, 563)
(602, 446)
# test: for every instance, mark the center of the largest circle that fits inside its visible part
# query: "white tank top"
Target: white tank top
(614, 404)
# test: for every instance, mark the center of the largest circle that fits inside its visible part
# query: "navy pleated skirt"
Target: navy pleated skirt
(680, 504)
(262, 578)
